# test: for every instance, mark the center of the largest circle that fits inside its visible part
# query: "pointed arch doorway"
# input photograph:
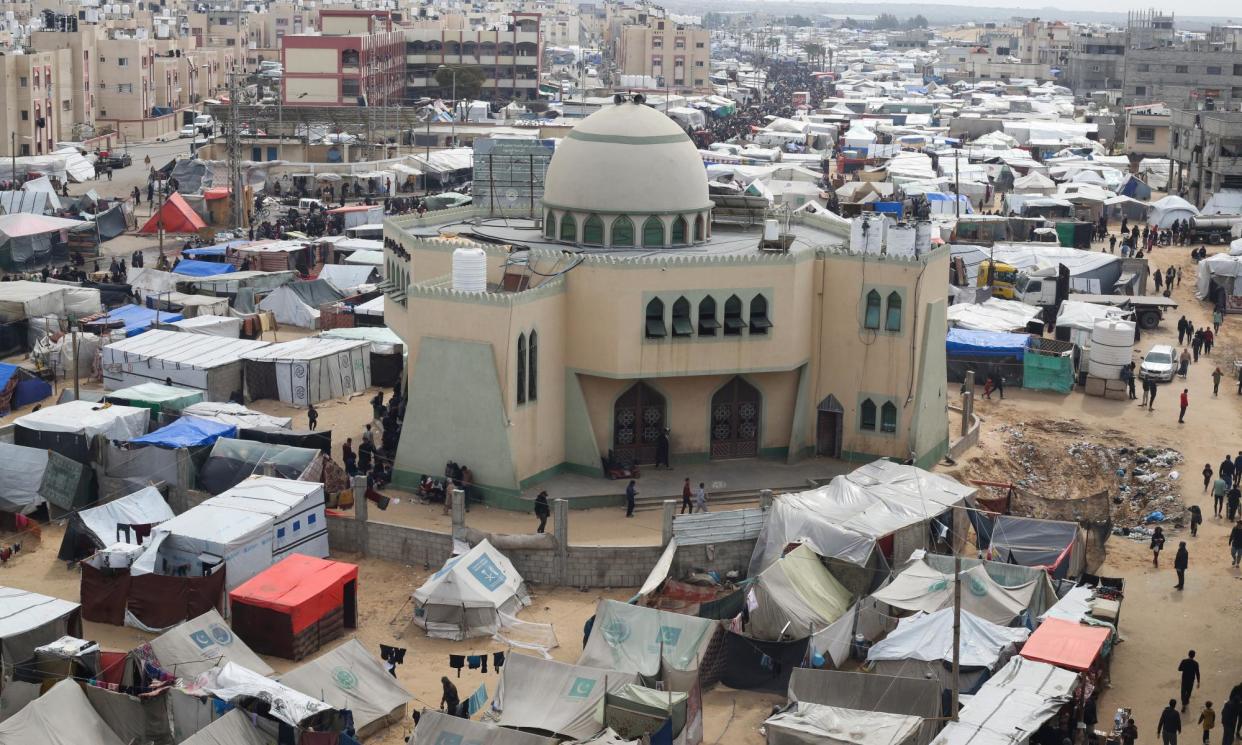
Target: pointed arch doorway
(830, 419)
(735, 415)
(638, 418)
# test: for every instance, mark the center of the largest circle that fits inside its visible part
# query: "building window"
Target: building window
(759, 323)
(532, 387)
(1140, 90)
(623, 231)
(23, 81)
(569, 229)
(1237, 69)
(698, 45)
(122, 61)
(681, 318)
(1145, 134)
(733, 323)
(872, 318)
(888, 417)
(655, 319)
(892, 320)
(653, 232)
(593, 231)
(1144, 67)
(698, 63)
(25, 115)
(1182, 69)
(66, 105)
(350, 88)
(521, 369)
(707, 317)
(866, 415)
(698, 228)
(679, 231)
(549, 225)
(1213, 70)
(349, 58)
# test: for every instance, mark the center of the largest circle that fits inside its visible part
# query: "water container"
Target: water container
(771, 230)
(1112, 348)
(901, 240)
(922, 236)
(470, 270)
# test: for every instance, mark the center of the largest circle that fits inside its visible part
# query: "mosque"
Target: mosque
(627, 307)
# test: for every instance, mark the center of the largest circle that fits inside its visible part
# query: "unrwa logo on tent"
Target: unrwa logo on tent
(581, 688)
(486, 572)
(344, 679)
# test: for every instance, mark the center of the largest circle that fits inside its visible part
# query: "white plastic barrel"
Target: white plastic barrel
(1112, 348)
(469, 270)
(771, 230)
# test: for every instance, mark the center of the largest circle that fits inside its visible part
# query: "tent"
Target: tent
(156, 396)
(917, 697)
(62, 716)
(297, 303)
(90, 530)
(1057, 546)
(233, 461)
(1068, 645)
(234, 728)
(1034, 183)
(174, 216)
(1012, 705)
(206, 363)
(1167, 209)
(349, 279)
(1219, 274)
(350, 677)
(308, 370)
(231, 682)
(195, 646)
(636, 639)
(245, 530)
(26, 240)
(1009, 576)
(1224, 202)
(1134, 187)
(132, 319)
(470, 595)
(294, 606)
(211, 325)
(993, 314)
(795, 597)
(813, 724)
(439, 728)
(21, 478)
(228, 413)
(187, 432)
(196, 268)
(67, 428)
(920, 588)
(29, 620)
(636, 710)
(922, 643)
(554, 697)
(19, 387)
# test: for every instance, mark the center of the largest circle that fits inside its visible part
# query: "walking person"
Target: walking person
(1235, 543)
(1127, 376)
(700, 498)
(1189, 668)
(1209, 338)
(662, 446)
(1219, 488)
(1157, 545)
(312, 417)
(450, 701)
(1217, 319)
(1232, 499)
(1159, 279)
(1183, 330)
(1216, 378)
(1229, 719)
(1207, 476)
(1000, 385)
(1170, 724)
(1151, 397)
(686, 504)
(542, 510)
(1183, 403)
(1227, 468)
(631, 491)
(1184, 365)
(1207, 720)
(1146, 393)
(1181, 562)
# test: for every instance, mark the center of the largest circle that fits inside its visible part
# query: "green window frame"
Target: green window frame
(679, 231)
(593, 231)
(549, 225)
(759, 322)
(653, 232)
(569, 229)
(892, 315)
(681, 318)
(655, 319)
(733, 323)
(622, 231)
(707, 317)
(866, 415)
(698, 229)
(888, 417)
(872, 318)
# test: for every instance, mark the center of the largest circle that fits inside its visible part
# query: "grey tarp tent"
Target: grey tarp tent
(921, 587)
(438, 728)
(554, 697)
(234, 728)
(62, 716)
(1057, 546)
(349, 677)
(871, 692)
(816, 724)
(29, 620)
(21, 478)
(202, 643)
(90, 530)
(133, 719)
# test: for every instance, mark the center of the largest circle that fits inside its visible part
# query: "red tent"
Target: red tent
(1066, 644)
(177, 216)
(293, 607)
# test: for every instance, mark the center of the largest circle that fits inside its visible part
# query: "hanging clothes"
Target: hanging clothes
(498, 661)
(477, 700)
(457, 662)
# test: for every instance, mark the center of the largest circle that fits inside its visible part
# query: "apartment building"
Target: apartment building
(510, 54)
(79, 43)
(675, 54)
(356, 59)
(988, 62)
(1147, 132)
(1097, 61)
(36, 95)
(1205, 146)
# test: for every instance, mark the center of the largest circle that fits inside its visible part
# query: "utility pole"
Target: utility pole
(236, 185)
(957, 182)
(957, 633)
(73, 328)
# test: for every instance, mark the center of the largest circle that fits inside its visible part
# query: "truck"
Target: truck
(1148, 309)
(1215, 229)
(1001, 277)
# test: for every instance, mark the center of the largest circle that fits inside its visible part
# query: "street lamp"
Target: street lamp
(452, 70)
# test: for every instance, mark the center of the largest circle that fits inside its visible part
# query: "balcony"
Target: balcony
(1226, 166)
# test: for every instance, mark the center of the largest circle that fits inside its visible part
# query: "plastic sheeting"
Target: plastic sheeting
(795, 597)
(97, 527)
(21, 477)
(202, 643)
(298, 303)
(812, 724)
(196, 268)
(348, 279)
(156, 396)
(233, 728)
(29, 620)
(635, 639)
(376, 699)
(437, 727)
(1055, 545)
(1067, 644)
(466, 596)
(553, 696)
(231, 682)
(233, 461)
(133, 319)
(993, 314)
(1011, 706)
(62, 716)
(89, 419)
(885, 694)
(918, 587)
(187, 432)
(236, 414)
(229, 328)
(986, 343)
(928, 637)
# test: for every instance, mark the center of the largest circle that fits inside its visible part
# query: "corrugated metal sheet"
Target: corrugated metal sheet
(718, 527)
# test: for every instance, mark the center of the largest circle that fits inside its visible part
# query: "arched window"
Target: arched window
(532, 387)
(679, 231)
(872, 318)
(653, 232)
(866, 415)
(569, 228)
(681, 318)
(549, 225)
(655, 319)
(759, 322)
(892, 318)
(707, 317)
(521, 369)
(622, 231)
(733, 323)
(888, 417)
(593, 231)
(698, 229)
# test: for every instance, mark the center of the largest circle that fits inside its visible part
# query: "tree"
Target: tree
(886, 20)
(470, 79)
(799, 21)
(918, 21)
(814, 53)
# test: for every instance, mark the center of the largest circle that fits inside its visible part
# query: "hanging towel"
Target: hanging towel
(473, 661)
(457, 662)
(498, 661)
(476, 700)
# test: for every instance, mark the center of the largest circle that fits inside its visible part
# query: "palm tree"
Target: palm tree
(814, 53)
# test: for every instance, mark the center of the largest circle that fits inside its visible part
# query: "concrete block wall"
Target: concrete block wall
(610, 566)
(723, 557)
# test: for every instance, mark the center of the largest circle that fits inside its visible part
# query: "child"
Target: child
(1207, 718)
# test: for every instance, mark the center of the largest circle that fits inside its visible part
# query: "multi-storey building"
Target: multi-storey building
(1206, 149)
(80, 73)
(1147, 131)
(1097, 61)
(510, 55)
(1162, 67)
(35, 93)
(356, 59)
(677, 55)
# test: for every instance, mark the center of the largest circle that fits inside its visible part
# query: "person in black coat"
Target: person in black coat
(1170, 724)
(1180, 563)
(542, 510)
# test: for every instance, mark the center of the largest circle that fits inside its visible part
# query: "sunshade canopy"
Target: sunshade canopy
(1066, 644)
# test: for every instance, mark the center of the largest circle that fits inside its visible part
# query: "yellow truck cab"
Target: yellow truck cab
(1001, 277)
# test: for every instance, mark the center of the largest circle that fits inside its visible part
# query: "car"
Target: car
(1159, 364)
(188, 130)
(118, 160)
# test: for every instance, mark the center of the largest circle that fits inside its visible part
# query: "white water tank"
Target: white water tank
(901, 240)
(470, 270)
(771, 230)
(1112, 348)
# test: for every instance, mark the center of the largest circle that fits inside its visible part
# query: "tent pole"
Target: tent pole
(957, 633)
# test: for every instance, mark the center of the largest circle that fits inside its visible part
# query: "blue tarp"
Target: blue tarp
(136, 318)
(888, 208)
(7, 371)
(188, 431)
(203, 268)
(27, 390)
(204, 251)
(986, 343)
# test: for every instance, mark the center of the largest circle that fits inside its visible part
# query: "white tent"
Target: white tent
(369, 258)
(1012, 705)
(21, 478)
(96, 527)
(1034, 183)
(232, 681)
(551, 696)
(247, 529)
(470, 595)
(208, 363)
(637, 639)
(993, 314)
(62, 716)
(195, 646)
(347, 278)
(794, 597)
(236, 414)
(1167, 209)
(1224, 202)
(1224, 270)
(921, 588)
(313, 369)
(817, 724)
(439, 728)
(376, 699)
(373, 307)
(921, 643)
(858, 136)
(29, 620)
(89, 419)
(210, 325)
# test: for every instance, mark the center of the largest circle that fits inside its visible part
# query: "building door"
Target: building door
(637, 421)
(735, 420)
(831, 416)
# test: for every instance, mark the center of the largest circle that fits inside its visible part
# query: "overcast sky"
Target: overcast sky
(1046, 9)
